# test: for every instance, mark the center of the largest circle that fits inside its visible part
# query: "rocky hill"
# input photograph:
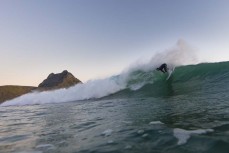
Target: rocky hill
(59, 80)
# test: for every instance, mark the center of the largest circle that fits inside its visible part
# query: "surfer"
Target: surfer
(163, 68)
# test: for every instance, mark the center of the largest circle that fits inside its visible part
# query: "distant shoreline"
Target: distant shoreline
(9, 92)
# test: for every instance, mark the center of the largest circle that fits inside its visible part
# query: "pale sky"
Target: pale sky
(98, 38)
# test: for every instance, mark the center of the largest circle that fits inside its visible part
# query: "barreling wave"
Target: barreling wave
(142, 80)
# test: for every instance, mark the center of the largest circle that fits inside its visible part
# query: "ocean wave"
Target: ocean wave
(140, 79)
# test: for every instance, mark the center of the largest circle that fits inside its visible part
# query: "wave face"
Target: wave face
(142, 80)
(205, 78)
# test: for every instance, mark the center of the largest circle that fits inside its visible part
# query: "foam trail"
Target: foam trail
(181, 54)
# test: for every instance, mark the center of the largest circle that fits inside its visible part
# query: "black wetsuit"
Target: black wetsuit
(163, 68)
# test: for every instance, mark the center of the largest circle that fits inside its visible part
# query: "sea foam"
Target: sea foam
(183, 135)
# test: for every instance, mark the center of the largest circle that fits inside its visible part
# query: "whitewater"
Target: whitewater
(135, 111)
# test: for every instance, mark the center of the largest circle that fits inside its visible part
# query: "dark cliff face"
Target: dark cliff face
(59, 80)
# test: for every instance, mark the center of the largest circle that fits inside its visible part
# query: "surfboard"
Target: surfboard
(170, 71)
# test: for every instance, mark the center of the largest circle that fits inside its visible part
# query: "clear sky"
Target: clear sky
(97, 38)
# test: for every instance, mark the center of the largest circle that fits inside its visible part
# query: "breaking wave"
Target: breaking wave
(140, 79)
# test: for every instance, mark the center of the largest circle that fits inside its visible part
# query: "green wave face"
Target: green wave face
(205, 78)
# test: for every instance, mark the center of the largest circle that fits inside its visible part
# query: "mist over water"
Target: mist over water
(180, 54)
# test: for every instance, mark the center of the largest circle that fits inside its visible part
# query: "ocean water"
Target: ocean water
(134, 112)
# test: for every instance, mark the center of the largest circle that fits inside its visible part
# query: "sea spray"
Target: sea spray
(180, 54)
